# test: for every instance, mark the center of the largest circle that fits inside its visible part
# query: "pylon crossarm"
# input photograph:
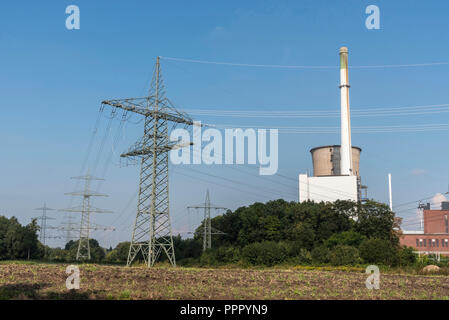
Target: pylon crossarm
(86, 177)
(129, 105)
(82, 209)
(86, 194)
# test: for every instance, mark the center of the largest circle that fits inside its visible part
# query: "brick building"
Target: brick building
(434, 239)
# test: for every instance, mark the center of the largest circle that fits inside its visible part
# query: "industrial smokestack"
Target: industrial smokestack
(346, 146)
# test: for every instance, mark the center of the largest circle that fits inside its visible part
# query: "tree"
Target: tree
(379, 251)
(376, 220)
(348, 238)
(18, 242)
(119, 254)
(343, 255)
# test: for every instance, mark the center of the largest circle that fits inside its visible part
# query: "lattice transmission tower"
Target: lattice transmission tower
(152, 231)
(85, 209)
(68, 226)
(208, 230)
(43, 227)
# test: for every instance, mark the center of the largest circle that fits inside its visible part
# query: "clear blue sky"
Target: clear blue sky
(52, 81)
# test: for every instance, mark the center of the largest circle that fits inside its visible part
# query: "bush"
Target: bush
(304, 257)
(320, 254)
(347, 238)
(119, 254)
(267, 253)
(208, 258)
(406, 256)
(227, 255)
(344, 255)
(379, 251)
(188, 262)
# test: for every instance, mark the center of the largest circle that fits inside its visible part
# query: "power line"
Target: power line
(277, 66)
(329, 129)
(297, 112)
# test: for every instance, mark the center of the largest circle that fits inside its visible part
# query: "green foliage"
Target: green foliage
(280, 231)
(423, 261)
(343, 255)
(347, 238)
(187, 248)
(267, 253)
(376, 220)
(227, 254)
(57, 254)
(320, 254)
(97, 253)
(119, 254)
(260, 234)
(304, 257)
(407, 257)
(379, 251)
(17, 241)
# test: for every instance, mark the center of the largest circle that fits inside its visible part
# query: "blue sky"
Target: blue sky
(52, 81)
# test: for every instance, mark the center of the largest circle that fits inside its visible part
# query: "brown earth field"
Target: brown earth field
(48, 281)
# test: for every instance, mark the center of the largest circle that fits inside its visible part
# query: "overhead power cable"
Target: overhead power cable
(277, 66)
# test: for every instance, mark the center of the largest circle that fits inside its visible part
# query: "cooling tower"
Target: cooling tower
(327, 161)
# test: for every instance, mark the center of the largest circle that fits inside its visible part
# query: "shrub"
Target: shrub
(379, 251)
(423, 261)
(267, 253)
(119, 254)
(188, 262)
(227, 255)
(347, 238)
(208, 258)
(343, 255)
(320, 254)
(406, 256)
(304, 256)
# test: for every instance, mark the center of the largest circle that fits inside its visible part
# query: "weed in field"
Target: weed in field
(125, 295)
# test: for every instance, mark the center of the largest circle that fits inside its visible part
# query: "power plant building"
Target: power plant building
(434, 236)
(336, 174)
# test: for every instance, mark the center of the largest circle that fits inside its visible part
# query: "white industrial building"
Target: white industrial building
(335, 167)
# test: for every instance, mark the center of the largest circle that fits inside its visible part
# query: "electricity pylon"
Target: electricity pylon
(152, 231)
(208, 230)
(43, 228)
(86, 209)
(68, 226)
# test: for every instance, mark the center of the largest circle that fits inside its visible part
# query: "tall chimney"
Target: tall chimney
(346, 147)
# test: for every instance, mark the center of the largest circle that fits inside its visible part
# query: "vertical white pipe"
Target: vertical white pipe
(346, 148)
(390, 192)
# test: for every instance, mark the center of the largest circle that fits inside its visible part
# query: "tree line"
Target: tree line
(281, 232)
(267, 234)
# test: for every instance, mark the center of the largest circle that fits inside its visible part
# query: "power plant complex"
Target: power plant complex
(336, 174)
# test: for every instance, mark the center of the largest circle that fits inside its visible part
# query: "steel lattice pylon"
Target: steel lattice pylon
(43, 227)
(83, 252)
(208, 230)
(152, 231)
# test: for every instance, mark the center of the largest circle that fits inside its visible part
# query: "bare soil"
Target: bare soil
(48, 281)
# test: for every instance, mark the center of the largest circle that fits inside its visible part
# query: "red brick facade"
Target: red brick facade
(435, 237)
(436, 221)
